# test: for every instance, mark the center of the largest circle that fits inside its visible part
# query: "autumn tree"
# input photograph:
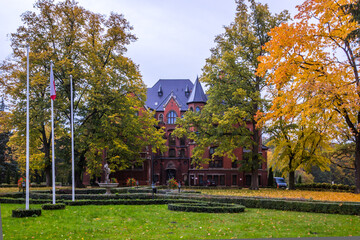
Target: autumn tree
(313, 64)
(297, 147)
(108, 86)
(234, 94)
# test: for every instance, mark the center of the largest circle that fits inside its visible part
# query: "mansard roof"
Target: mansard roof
(175, 88)
(197, 95)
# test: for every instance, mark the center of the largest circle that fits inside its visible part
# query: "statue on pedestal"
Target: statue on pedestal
(107, 173)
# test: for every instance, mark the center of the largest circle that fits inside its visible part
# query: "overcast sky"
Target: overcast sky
(174, 37)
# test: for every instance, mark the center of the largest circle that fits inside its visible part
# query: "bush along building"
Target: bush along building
(170, 99)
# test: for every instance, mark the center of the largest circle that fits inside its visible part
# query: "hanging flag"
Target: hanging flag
(52, 84)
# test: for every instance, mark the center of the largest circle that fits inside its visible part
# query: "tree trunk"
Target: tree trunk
(357, 163)
(255, 158)
(80, 168)
(254, 179)
(292, 180)
(48, 176)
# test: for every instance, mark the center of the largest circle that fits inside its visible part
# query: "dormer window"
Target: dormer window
(187, 91)
(160, 91)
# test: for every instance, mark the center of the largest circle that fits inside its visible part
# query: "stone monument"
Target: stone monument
(107, 184)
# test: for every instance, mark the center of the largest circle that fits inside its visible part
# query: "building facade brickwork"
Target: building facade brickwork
(170, 99)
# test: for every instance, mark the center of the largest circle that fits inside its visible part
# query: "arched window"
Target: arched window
(191, 109)
(161, 118)
(171, 117)
(197, 109)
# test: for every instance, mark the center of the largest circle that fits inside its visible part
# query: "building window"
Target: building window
(182, 153)
(161, 118)
(171, 117)
(234, 164)
(234, 180)
(216, 162)
(197, 109)
(182, 141)
(172, 152)
(191, 109)
(172, 140)
(222, 180)
(201, 180)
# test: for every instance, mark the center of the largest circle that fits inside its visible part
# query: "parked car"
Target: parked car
(280, 182)
(211, 183)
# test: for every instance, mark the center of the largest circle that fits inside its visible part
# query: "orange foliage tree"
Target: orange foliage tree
(312, 68)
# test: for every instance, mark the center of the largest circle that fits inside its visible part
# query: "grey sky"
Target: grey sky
(174, 37)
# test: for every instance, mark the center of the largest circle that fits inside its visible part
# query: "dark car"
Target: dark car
(280, 182)
(211, 183)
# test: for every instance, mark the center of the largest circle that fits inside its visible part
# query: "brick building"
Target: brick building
(170, 99)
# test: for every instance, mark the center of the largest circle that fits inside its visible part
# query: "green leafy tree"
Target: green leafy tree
(234, 90)
(90, 47)
(8, 166)
(298, 147)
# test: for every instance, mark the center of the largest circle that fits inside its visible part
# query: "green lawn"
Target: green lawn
(156, 222)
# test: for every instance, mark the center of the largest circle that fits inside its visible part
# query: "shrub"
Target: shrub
(131, 182)
(128, 202)
(207, 207)
(50, 206)
(325, 186)
(173, 183)
(20, 183)
(19, 213)
(22, 201)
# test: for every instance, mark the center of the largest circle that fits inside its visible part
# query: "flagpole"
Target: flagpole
(27, 128)
(52, 139)
(72, 138)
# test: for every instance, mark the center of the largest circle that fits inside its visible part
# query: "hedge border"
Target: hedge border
(287, 205)
(50, 206)
(206, 207)
(22, 201)
(128, 202)
(20, 213)
(346, 208)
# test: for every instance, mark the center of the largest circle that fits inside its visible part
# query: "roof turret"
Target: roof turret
(197, 95)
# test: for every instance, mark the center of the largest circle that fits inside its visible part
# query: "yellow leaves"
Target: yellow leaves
(293, 194)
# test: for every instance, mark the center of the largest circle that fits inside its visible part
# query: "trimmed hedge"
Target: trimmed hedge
(348, 208)
(5, 185)
(288, 205)
(82, 191)
(206, 207)
(22, 201)
(50, 206)
(325, 187)
(19, 213)
(91, 196)
(128, 202)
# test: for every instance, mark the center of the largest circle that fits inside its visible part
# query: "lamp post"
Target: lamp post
(179, 186)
